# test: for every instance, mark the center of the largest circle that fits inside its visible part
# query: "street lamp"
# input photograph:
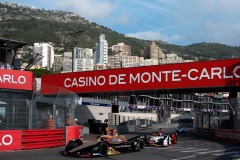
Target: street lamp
(72, 57)
(73, 34)
(5, 66)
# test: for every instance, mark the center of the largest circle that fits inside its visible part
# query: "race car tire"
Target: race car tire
(103, 149)
(140, 145)
(72, 144)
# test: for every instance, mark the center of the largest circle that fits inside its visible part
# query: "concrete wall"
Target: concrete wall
(136, 119)
(83, 113)
(181, 116)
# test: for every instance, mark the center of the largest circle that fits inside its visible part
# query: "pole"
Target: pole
(72, 34)
(5, 67)
(114, 61)
(72, 57)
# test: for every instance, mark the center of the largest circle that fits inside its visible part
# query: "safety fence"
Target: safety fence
(30, 110)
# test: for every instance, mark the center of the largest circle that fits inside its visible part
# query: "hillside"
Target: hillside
(59, 27)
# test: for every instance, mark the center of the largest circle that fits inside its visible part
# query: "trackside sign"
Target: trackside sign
(10, 139)
(15, 79)
(216, 73)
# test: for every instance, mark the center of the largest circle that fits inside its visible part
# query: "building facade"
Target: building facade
(102, 51)
(132, 61)
(45, 50)
(173, 58)
(58, 63)
(81, 59)
(67, 61)
(153, 52)
(123, 48)
(119, 61)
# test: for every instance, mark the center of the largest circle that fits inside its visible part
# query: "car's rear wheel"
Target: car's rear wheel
(103, 149)
(140, 145)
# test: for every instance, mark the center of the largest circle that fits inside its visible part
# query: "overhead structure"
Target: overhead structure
(193, 77)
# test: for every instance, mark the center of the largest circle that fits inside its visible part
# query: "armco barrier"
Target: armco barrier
(228, 135)
(32, 139)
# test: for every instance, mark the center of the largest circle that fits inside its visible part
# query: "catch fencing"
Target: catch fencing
(31, 110)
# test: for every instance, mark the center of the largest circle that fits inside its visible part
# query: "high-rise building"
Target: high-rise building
(58, 62)
(132, 61)
(82, 60)
(102, 50)
(67, 61)
(121, 47)
(45, 50)
(153, 52)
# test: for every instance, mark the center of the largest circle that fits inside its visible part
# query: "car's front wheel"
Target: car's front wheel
(73, 144)
(103, 149)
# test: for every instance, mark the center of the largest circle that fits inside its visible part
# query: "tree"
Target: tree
(39, 72)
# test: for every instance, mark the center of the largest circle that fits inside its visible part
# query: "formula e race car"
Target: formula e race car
(104, 146)
(157, 139)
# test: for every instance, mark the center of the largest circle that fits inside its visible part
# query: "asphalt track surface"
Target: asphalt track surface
(188, 147)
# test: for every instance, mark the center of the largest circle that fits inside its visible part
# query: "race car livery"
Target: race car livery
(157, 139)
(103, 147)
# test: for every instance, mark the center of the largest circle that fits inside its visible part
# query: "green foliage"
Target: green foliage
(39, 72)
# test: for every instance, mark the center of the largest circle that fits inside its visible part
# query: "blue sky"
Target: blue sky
(180, 22)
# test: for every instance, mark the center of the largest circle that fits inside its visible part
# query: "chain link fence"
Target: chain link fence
(28, 110)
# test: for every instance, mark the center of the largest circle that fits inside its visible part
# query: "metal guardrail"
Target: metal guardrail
(32, 139)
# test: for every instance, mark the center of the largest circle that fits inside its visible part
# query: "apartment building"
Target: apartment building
(101, 50)
(81, 59)
(47, 52)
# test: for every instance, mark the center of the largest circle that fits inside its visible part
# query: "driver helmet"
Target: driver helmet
(113, 132)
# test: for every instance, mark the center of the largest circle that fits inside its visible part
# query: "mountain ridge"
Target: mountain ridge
(56, 26)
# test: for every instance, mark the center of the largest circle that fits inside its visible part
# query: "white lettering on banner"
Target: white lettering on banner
(6, 140)
(225, 74)
(204, 74)
(175, 75)
(135, 78)
(7, 78)
(193, 74)
(147, 77)
(216, 72)
(114, 79)
(140, 78)
(189, 74)
(235, 72)
(84, 81)
(166, 74)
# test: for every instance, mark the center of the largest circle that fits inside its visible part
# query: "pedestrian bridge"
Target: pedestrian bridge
(193, 77)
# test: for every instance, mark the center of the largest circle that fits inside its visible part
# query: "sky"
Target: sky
(179, 22)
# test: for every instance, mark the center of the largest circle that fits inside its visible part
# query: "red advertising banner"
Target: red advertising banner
(10, 140)
(15, 79)
(74, 132)
(204, 74)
